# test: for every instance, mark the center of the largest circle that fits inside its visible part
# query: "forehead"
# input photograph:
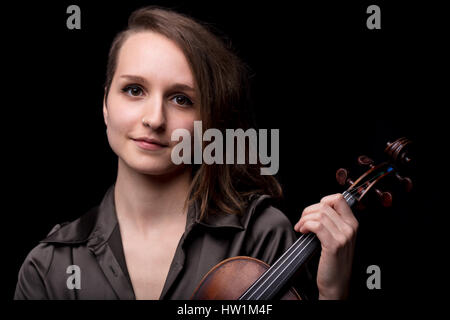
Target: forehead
(154, 57)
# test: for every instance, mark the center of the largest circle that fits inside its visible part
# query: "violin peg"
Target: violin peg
(406, 182)
(365, 161)
(341, 176)
(385, 197)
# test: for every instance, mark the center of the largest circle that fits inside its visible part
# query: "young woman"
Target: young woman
(160, 227)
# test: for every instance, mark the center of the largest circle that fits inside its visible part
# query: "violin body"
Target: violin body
(229, 279)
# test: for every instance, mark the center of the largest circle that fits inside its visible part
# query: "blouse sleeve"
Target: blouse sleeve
(271, 235)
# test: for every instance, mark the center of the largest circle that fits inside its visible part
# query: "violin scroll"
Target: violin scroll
(398, 153)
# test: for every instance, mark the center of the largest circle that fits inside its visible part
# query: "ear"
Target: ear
(105, 109)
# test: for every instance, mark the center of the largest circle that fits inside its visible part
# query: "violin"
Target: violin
(247, 278)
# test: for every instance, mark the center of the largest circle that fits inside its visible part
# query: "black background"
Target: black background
(335, 90)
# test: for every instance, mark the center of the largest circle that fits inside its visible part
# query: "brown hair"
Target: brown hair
(223, 84)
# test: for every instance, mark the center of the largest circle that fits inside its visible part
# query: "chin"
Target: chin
(157, 171)
(155, 168)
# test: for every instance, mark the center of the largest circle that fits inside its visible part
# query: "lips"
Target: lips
(149, 144)
(151, 141)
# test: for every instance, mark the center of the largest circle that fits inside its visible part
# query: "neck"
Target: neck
(144, 201)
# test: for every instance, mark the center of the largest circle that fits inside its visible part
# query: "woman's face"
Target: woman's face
(153, 81)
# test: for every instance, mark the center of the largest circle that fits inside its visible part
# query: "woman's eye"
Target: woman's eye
(133, 90)
(182, 100)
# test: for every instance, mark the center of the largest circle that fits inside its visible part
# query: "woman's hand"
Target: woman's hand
(334, 224)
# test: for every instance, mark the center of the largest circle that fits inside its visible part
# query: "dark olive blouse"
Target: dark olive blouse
(93, 243)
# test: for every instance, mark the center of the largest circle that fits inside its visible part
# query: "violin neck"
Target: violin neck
(278, 275)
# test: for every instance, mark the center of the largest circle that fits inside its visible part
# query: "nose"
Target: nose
(154, 113)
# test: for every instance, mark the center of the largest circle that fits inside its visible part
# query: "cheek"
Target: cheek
(121, 113)
(182, 122)
(182, 119)
(120, 121)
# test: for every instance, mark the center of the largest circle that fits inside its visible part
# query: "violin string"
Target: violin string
(263, 279)
(310, 237)
(266, 277)
(355, 191)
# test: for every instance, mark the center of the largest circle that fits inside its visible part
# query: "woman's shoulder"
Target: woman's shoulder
(76, 231)
(62, 234)
(262, 214)
(269, 231)
(53, 250)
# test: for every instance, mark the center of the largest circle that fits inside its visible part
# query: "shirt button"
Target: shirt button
(113, 271)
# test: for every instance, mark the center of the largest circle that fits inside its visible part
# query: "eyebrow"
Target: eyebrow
(175, 86)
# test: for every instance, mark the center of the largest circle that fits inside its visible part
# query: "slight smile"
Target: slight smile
(149, 144)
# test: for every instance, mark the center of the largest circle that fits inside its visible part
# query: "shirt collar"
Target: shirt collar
(95, 227)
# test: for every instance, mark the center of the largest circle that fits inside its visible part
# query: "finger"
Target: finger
(324, 208)
(338, 203)
(325, 221)
(337, 219)
(307, 211)
(324, 235)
